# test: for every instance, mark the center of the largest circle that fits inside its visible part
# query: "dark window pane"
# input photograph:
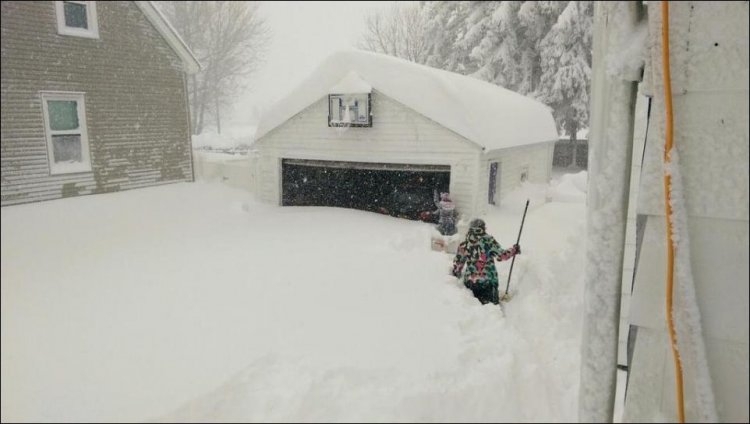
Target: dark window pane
(75, 15)
(63, 114)
(67, 148)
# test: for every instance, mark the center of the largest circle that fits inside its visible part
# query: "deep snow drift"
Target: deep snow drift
(192, 302)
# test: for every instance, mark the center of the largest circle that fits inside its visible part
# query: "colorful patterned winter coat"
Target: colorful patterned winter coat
(477, 254)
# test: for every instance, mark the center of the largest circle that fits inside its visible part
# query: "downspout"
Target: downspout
(190, 129)
(610, 157)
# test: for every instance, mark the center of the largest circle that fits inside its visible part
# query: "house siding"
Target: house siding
(134, 90)
(398, 135)
(711, 134)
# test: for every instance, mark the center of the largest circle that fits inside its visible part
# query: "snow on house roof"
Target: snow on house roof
(172, 37)
(486, 114)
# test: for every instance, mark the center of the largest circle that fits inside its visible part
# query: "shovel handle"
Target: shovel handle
(518, 240)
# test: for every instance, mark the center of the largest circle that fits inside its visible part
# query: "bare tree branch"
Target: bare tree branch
(397, 31)
(229, 38)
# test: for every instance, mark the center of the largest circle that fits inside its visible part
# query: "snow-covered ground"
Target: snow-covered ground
(232, 137)
(193, 302)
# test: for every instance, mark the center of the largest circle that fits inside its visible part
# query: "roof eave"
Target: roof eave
(189, 63)
(488, 150)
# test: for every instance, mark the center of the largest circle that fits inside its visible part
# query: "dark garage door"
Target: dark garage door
(394, 189)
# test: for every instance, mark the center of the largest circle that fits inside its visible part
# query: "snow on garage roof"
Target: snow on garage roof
(352, 83)
(489, 115)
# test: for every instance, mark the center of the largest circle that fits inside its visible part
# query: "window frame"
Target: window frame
(91, 19)
(79, 98)
(351, 124)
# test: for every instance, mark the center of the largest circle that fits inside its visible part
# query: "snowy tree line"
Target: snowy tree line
(229, 39)
(541, 49)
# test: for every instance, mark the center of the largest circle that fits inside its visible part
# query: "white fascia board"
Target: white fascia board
(160, 22)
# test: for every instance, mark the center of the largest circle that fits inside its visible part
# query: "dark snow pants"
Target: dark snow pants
(447, 228)
(485, 293)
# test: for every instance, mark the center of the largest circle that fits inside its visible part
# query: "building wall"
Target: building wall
(535, 159)
(709, 63)
(136, 109)
(398, 135)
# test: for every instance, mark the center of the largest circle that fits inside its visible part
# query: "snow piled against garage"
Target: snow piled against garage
(232, 137)
(192, 302)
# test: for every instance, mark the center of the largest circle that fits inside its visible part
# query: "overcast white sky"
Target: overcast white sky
(303, 34)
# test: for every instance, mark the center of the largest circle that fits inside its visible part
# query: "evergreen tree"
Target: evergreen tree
(566, 51)
(537, 48)
(475, 29)
(444, 22)
(535, 18)
(498, 53)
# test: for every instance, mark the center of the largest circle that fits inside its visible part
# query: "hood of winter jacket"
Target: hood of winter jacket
(475, 234)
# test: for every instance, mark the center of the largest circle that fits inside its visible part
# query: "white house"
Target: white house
(687, 313)
(367, 131)
(710, 102)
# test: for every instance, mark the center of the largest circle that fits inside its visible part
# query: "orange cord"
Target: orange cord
(668, 205)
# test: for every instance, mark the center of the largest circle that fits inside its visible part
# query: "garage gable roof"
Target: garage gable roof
(484, 113)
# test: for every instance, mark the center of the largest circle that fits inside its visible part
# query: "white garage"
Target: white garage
(374, 132)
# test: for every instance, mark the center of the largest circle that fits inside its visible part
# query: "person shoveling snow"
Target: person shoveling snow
(475, 262)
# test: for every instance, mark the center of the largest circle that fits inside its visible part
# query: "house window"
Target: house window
(524, 173)
(65, 128)
(77, 18)
(350, 110)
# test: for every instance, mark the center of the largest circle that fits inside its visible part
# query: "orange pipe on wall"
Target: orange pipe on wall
(668, 142)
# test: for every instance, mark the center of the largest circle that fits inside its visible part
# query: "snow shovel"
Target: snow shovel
(506, 296)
